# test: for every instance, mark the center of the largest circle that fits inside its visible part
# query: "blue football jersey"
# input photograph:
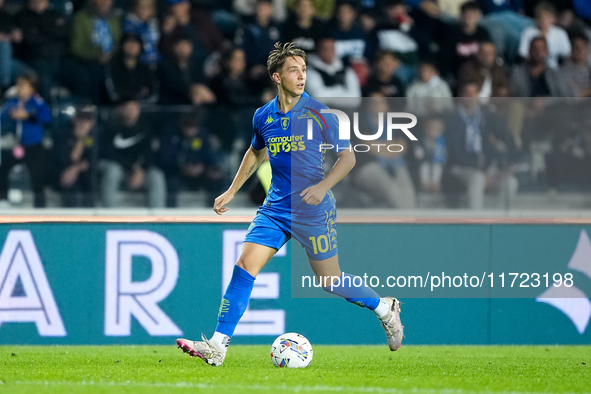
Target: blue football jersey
(296, 143)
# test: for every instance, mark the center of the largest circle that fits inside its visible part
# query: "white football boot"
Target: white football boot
(204, 349)
(392, 324)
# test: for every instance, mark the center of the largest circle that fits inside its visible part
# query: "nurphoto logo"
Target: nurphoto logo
(345, 129)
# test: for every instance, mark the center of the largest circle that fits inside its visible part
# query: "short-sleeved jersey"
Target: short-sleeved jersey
(297, 161)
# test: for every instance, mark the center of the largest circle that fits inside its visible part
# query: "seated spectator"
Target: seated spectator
(128, 157)
(505, 21)
(397, 34)
(480, 150)
(510, 109)
(76, 157)
(429, 94)
(323, 9)
(431, 154)
(247, 9)
(484, 70)
(576, 70)
(142, 21)
(24, 117)
(94, 40)
(10, 67)
(383, 79)
(567, 163)
(257, 40)
(382, 173)
(189, 159)
(235, 100)
(329, 77)
(556, 38)
(45, 41)
(183, 20)
(535, 78)
(126, 77)
(181, 79)
(463, 41)
(303, 27)
(349, 38)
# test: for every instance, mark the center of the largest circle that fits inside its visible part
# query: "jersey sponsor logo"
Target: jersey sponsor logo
(269, 120)
(286, 144)
(285, 123)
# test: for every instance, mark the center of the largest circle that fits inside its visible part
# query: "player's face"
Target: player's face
(293, 76)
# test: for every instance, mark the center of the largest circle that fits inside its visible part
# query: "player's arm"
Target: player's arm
(250, 162)
(314, 195)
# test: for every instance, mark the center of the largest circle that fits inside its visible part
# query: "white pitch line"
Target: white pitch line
(296, 389)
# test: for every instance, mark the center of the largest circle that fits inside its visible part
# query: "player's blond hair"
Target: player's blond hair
(277, 56)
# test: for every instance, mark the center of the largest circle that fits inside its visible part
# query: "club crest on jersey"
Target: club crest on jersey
(285, 123)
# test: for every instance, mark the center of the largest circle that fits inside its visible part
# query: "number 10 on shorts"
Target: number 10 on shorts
(320, 243)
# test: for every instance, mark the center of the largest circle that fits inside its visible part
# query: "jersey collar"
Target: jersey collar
(300, 103)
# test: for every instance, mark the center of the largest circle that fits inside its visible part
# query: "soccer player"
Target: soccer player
(300, 204)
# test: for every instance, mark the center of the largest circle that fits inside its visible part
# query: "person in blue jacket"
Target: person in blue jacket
(25, 116)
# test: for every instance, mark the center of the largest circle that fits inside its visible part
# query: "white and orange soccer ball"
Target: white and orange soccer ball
(291, 350)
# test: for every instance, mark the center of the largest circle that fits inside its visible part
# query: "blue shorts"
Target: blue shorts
(318, 235)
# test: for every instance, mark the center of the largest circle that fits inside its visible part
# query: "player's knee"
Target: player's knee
(250, 268)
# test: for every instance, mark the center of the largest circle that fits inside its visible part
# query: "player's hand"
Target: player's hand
(219, 205)
(313, 195)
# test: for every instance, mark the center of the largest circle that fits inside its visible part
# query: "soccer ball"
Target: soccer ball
(291, 350)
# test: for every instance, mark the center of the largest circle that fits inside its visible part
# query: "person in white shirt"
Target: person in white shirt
(556, 37)
(328, 77)
(429, 93)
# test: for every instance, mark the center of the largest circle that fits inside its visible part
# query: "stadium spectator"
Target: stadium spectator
(142, 21)
(128, 156)
(382, 174)
(349, 38)
(431, 154)
(505, 22)
(397, 34)
(464, 40)
(10, 67)
(383, 79)
(567, 163)
(481, 151)
(247, 9)
(186, 21)
(181, 79)
(429, 94)
(190, 160)
(24, 117)
(576, 70)
(236, 99)
(329, 77)
(76, 160)
(95, 37)
(556, 38)
(126, 77)
(535, 78)
(257, 40)
(323, 9)
(303, 27)
(484, 70)
(45, 41)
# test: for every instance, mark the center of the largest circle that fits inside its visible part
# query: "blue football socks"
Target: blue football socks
(235, 301)
(353, 289)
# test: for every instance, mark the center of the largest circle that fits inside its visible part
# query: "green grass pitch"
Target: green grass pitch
(335, 369)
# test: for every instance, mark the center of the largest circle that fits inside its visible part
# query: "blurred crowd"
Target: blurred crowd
(157, 96)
